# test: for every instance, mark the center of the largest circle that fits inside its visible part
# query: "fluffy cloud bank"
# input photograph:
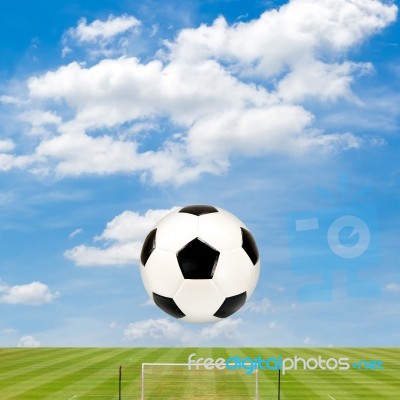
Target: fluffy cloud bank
(28, 341)
(104, 30)
(220, 89)
(35, 293)
(121, 241)
(166, 330)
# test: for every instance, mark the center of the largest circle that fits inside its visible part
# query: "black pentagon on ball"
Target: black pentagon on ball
(148, 246)
(197, 260)
(249, 246)
(231, 305)
(198, 210)
(168, 305)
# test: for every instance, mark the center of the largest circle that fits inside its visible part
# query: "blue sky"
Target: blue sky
(276, 111)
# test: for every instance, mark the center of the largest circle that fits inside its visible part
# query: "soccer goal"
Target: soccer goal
(176, 381)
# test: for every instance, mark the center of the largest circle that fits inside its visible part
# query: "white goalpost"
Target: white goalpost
(162, 381)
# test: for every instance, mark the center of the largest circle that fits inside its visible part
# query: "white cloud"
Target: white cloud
(65, 51)
(6, 145)
(392, 287)
(102, 155)
(8, 331)
(40, 121)
(253, 131)
(141, 127)
(148, 303)
(300, 30)
(158, 329)
(104, 30)
(223, 89)
(274, 325)
(263, 306)
(75, 233)
(131, 225)
(34, 293)
(277, 288)
(12, 100)
(9, 161)
(217, 109)
(107, 38)
(114, 255)
(121, 241)
(313, 78)
(308, 341)
(28, 341)
(3, 286)
(184, 92)
(226, 328)
(165, 330)
(114, 325)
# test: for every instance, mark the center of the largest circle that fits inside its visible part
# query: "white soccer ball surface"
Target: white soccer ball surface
(200, 264)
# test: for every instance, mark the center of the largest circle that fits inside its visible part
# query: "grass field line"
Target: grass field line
(330, 397)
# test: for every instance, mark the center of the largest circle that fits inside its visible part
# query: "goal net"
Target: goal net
(164, 381)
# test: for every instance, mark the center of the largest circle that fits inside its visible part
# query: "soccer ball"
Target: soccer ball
(200, 263)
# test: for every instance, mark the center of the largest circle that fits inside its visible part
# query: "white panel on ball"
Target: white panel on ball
(234, 217)
(234, 272)
(199, 300)
(196, 320)
(145, 281)
(220, 230)
(254, 279)
(176, 230)
(163, 272)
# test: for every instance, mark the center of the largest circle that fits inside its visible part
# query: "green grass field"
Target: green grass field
(92, 374)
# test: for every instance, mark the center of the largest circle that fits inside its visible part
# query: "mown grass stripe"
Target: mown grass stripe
(94, 372)
(338, 382)
(54, 371)
(88, 380)
(191, 390)
(353, 382)
(17, 358)
(293, 384)
(32, 370)
(219, 383)
(86, 376)
(378, 381)
(240, 385)
(131, 372)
